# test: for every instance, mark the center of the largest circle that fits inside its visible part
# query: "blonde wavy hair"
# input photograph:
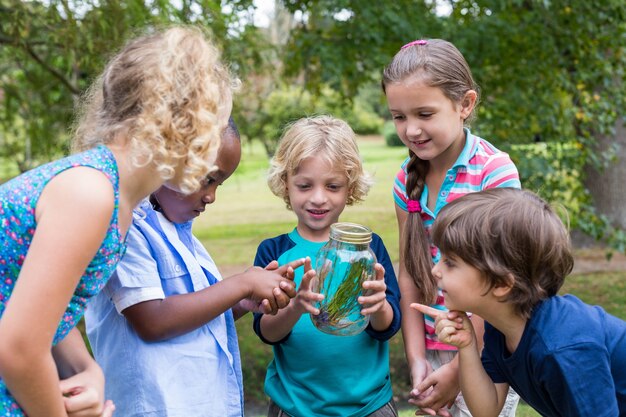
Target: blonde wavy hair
(164, 93)
(320, 136)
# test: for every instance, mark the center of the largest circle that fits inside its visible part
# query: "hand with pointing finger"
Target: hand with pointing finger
(452, 327)
(306, 297)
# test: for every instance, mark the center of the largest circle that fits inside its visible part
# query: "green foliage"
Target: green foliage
(552, 70)
(52, 50)
(345, 44)
(47, 59)
(289, 103)
(390, 134)
(563, 57)
(363, 120)
(282, 106)
(554, 171)
(546, 169)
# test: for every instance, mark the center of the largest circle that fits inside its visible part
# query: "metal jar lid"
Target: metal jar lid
(350, 233)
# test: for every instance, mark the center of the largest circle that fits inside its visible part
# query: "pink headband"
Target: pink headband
(417, 42)
(413, 206)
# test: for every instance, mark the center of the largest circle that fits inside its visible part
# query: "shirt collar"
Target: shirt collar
(469, 150)
(300, 241)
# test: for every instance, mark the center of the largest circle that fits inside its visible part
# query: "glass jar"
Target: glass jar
(342, 265)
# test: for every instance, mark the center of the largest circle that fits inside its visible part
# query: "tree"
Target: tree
(51, 51)
(347, 43)
(554, 70)
(550, 70)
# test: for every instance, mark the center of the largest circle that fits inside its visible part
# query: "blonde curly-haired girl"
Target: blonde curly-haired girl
(154, 117)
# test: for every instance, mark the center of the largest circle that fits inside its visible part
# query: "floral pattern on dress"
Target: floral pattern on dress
(18, 200)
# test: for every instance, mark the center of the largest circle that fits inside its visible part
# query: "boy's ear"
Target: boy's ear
(502, 290)
(467, 103)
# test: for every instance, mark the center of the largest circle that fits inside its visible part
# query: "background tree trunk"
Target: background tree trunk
(608, 186)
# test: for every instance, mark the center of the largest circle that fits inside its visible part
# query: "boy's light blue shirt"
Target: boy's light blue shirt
(196, 374)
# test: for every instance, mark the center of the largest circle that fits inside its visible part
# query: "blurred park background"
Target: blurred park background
(553, 92)
(551, 74)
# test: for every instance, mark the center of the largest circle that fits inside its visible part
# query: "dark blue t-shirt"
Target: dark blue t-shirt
(571, 360)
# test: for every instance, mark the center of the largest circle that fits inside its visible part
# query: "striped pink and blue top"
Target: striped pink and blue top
(479, 166)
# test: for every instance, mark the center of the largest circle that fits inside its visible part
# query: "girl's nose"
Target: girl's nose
(413, 130)
(435, 272)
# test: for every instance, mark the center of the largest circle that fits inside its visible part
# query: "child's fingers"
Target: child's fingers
(273, 305)
(371, 309)
(443, 322)
(270, 307)
(272, 266)
(109, 408)
(78, 398)
(424, 411)
(288, 268)
(289, 287)
(309, 308)
(311, 297)
(445, 333)
(307, 264)
(374, 286)
(380, 272)
(290, 274)
(424, 309)
(433, 398)
(307, 282)
(81, 402)
(372, 299)
(443, 412)
(265, 307)
(297, 263)
(426, 387)
(281, 298)
(305, 292)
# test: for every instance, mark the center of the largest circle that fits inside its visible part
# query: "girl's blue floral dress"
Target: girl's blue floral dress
(18, 200)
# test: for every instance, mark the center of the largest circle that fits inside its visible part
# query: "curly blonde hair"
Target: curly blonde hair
(164, 92)
(321, 136)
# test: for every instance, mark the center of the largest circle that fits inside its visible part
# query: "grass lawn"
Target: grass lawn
(246, 212)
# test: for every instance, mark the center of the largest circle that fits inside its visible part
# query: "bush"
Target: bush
(390, 135)
(546, 169)
(363, 121)
(289, 103)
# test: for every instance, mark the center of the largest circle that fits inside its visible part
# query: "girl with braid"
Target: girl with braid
(431, 96)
